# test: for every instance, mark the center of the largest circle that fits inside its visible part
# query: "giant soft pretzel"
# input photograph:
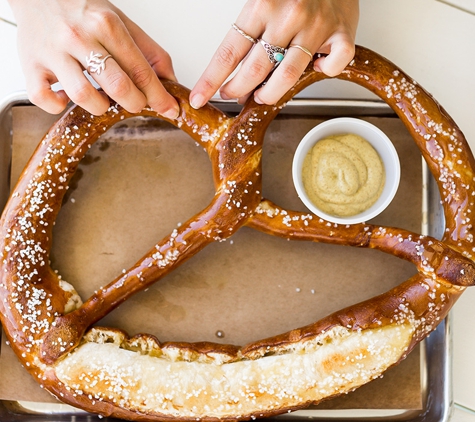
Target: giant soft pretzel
(104, 371)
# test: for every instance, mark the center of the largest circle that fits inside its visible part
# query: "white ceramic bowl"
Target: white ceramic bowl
(380, 142)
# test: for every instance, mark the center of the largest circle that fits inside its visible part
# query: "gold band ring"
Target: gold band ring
(247, 36)
(302, 48)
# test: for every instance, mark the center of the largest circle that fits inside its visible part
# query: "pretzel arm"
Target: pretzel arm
(419, 303)
(139, 378)
(206, 126)
(437, 136)
(432, 257)
(168, 254)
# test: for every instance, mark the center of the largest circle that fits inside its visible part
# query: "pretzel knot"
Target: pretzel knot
(104, 371)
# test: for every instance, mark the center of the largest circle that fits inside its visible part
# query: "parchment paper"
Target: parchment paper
(143, 178)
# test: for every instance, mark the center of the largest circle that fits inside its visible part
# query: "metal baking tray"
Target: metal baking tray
(435, 350)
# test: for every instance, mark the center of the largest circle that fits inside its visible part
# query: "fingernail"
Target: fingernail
(172, 113)
(197, 101)
(258, 100)
(224, 96)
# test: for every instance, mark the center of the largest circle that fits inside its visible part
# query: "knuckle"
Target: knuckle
(257, 70)
(227, 56)
(163, 60)
(106, 22)
(36, 97)
(258, 6)
(338, 59)
(166, 59)
(105, 19)
(141, 75)
(208, 84)
(74, 35)
(347, 50)
(80, 93)
(161, 104)
(232, 90)
(118, 85)
(289, 73)
(42, 95)
(297, 9)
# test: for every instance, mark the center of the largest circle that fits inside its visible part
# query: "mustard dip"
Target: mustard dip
(343, 175)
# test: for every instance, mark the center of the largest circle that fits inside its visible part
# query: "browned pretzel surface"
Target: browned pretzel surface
(104, 371)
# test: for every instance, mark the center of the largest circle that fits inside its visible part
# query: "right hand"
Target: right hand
(56, 36)
(320, 26)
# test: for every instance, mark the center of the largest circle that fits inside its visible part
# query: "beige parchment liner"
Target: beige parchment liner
(143, 178)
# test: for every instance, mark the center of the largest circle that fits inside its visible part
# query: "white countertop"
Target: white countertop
(430, 40)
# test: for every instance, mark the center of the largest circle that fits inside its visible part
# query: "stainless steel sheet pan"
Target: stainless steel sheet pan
(435, 350)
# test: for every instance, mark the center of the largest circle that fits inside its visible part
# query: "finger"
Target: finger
(159, 59)
(229, 54)
(130, 80)
(79, 89)
(156, 56)
(134, 85)
(146, 80)
(254, 69)
(284, 77)
(342, 52)
(40, 93)
(105, 70)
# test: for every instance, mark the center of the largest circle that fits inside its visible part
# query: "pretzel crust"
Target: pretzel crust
(104, 371)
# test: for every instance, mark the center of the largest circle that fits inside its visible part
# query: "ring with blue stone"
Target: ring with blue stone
(274, 52)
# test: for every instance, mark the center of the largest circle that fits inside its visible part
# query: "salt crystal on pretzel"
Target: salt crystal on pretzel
(102, 370)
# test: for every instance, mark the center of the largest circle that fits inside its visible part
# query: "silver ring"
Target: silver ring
(247, 36)
(302, 48)
(94, 63)
(274, 52)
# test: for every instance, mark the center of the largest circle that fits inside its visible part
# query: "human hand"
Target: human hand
(55, 38)
(319, 26)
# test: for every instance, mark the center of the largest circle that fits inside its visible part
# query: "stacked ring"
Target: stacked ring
(275, 53)
(305, 50)
(244, 34)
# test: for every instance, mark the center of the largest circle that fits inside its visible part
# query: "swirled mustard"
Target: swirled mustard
(343, 175)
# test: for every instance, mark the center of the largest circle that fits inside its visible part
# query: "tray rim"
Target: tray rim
(435, 350)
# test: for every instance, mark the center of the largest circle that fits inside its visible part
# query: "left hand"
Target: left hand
(320, 26)
(55, 38)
